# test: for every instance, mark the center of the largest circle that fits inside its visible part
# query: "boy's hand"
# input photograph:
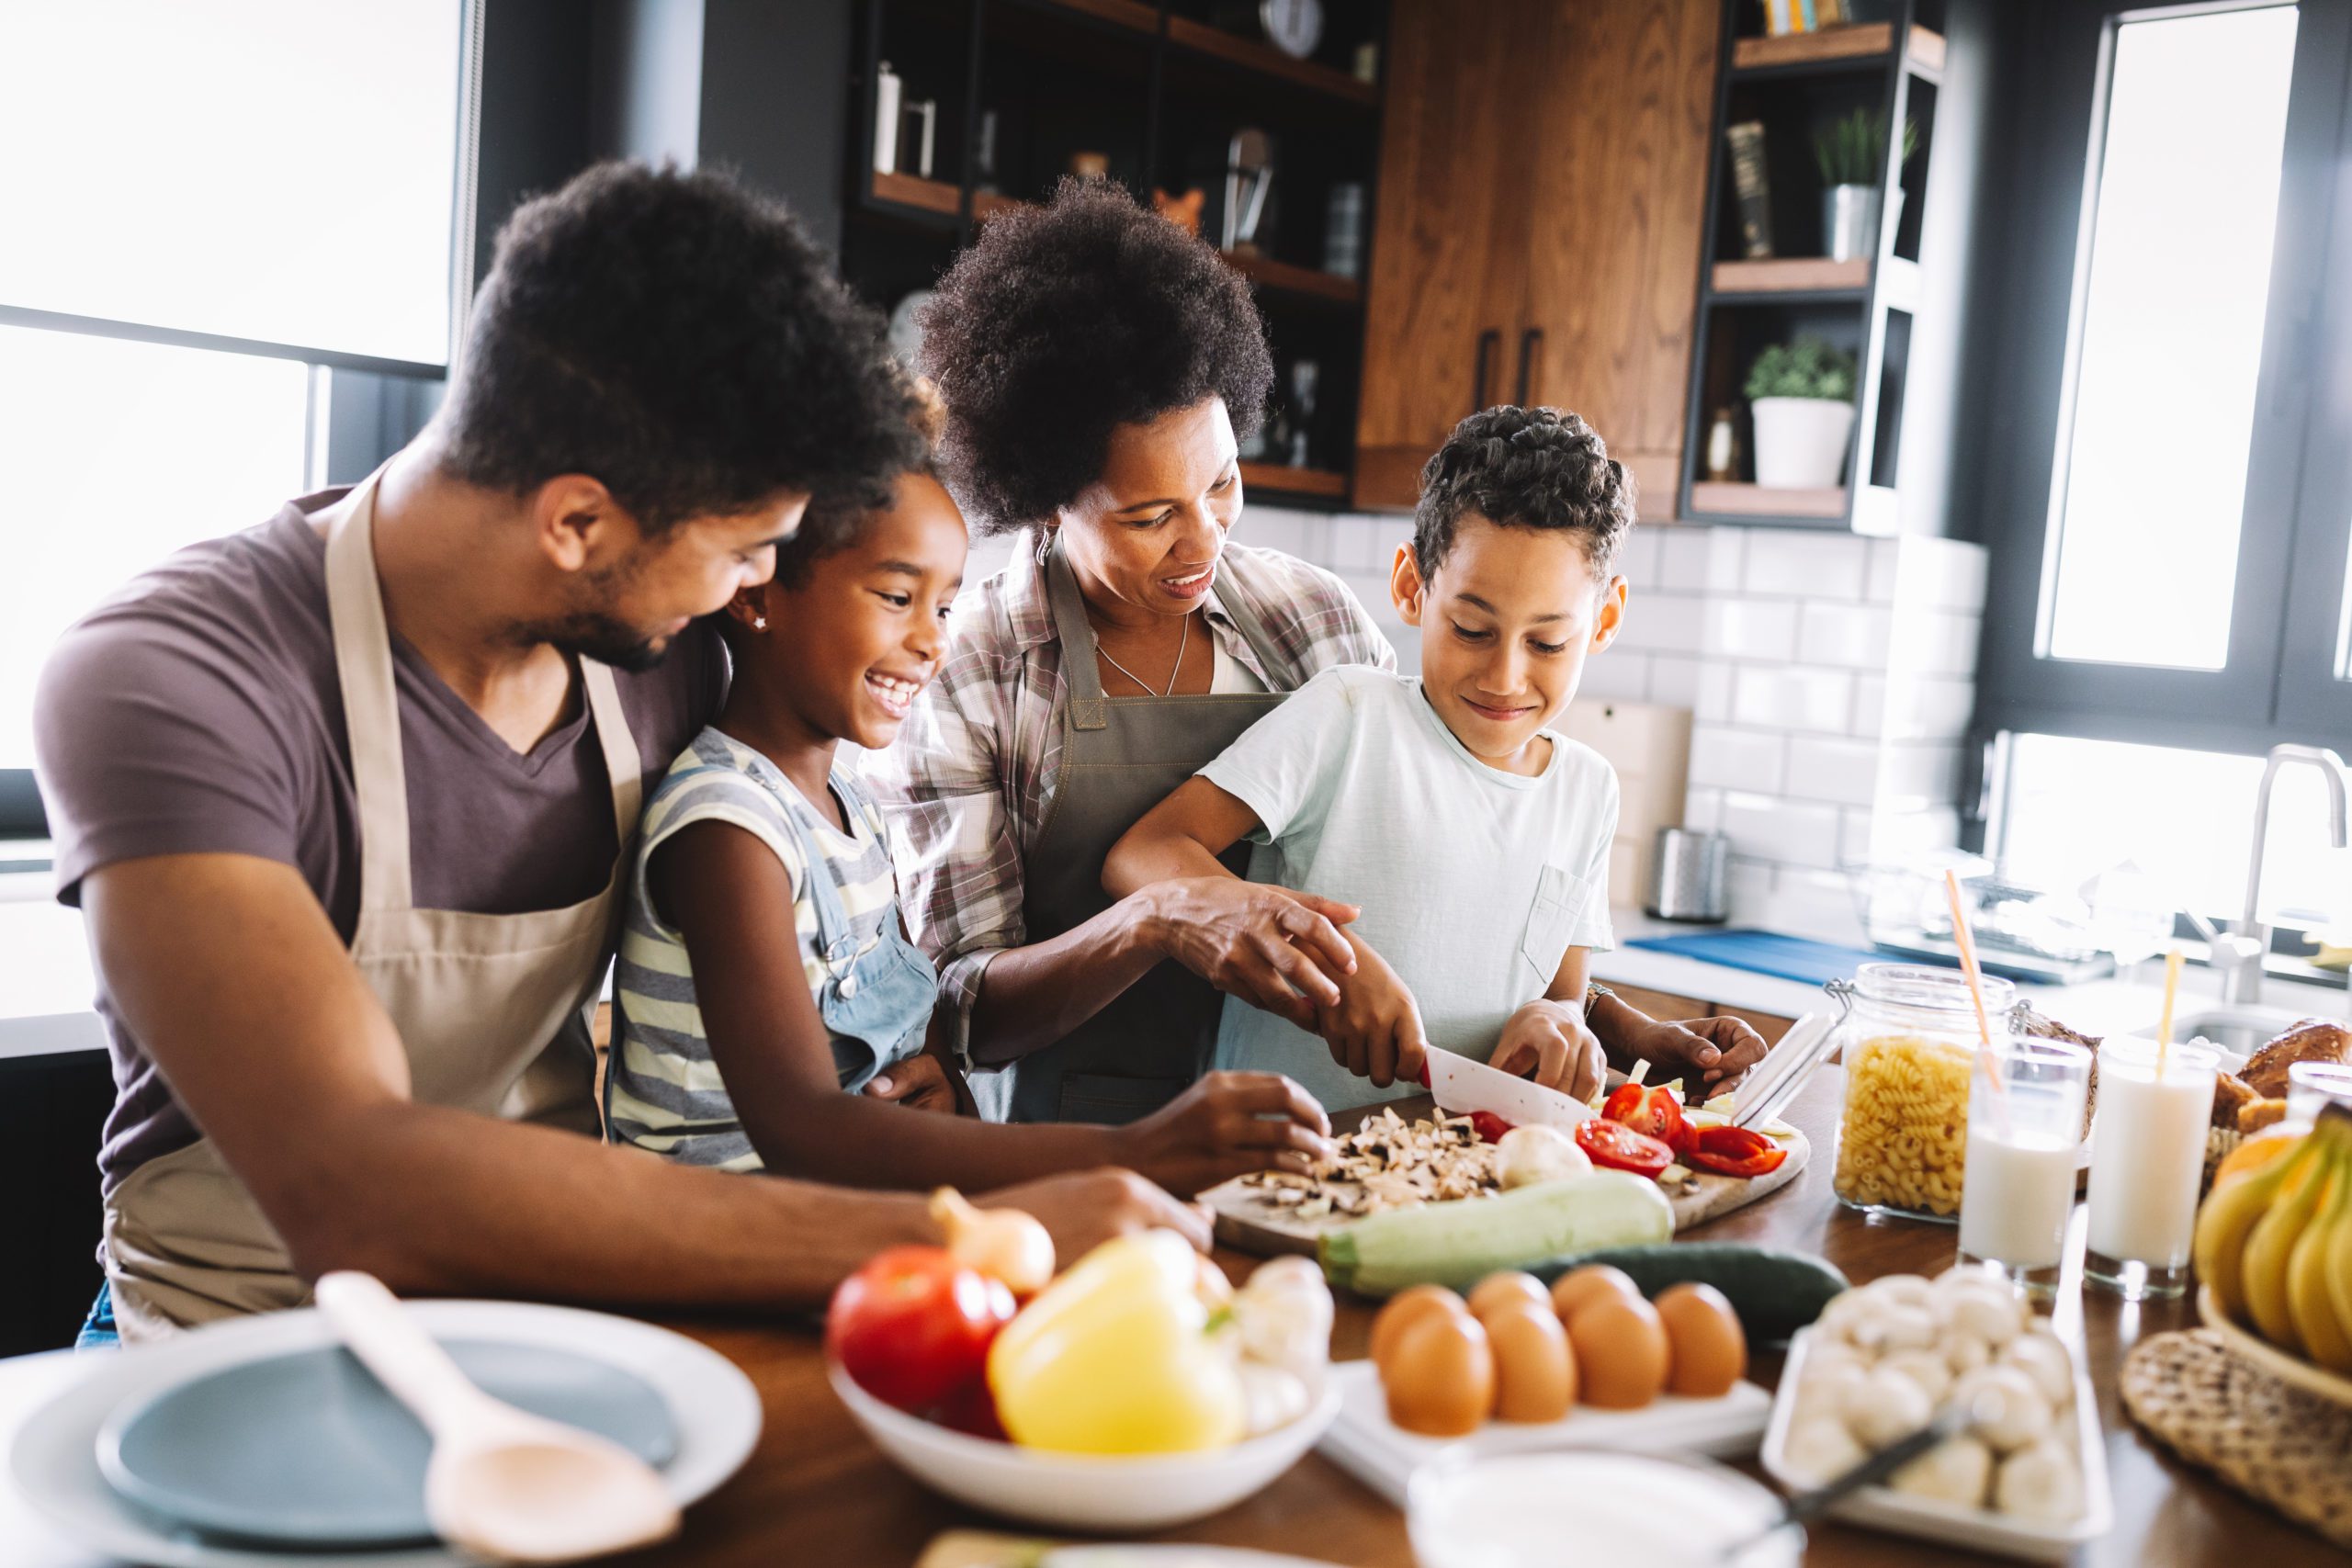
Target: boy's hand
(918, 1083)
(1227, 1126)
(1709, 1054)
(1551, 1037)
(1375, 1031)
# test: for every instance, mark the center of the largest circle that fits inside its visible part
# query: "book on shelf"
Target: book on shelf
(1753, 187)
(1782, 17)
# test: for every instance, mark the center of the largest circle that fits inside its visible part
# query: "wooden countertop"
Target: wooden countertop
(817, 1492)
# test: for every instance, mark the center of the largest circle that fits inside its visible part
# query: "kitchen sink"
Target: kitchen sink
(2240, 1031)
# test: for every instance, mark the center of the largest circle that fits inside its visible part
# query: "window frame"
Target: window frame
(2295, 469)
(371, 406)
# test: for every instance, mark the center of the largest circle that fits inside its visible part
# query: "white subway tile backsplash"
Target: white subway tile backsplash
(1852, 637)
(1620, 675)
(1896, 835)
(1713, 704)
(1738, 758)
(1915, 776)
(1854, 835)
(1637, 559)
(1934, 642)
(1665, 623)
(1886, 556)
(1702, 560)
(1790, 698)
(1750, 628)
(1702, 810)
(1870, 705)
(1788, 832)
(1941, 574)
(1842, 772)
(1806, 566)
(1674, 680)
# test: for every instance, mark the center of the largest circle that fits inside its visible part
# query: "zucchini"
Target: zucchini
(1459, 1243)
(1775, 1292)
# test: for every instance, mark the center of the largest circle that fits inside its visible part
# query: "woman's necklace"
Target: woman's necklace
(1183, 638)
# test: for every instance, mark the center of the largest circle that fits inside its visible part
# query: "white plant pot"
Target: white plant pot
(1801, 442)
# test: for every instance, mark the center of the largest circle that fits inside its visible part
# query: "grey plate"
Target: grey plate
(308, 1450)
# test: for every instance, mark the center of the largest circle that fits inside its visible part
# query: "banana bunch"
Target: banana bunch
(2275, 1245)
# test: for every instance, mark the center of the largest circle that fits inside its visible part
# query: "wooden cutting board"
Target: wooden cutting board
(1248, 1222)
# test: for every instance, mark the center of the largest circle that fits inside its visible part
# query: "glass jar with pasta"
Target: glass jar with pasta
(1906, 1042)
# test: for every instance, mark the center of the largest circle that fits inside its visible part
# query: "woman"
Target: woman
(1098, 365)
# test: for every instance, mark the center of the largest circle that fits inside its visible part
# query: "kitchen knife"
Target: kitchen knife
(1462, 1086)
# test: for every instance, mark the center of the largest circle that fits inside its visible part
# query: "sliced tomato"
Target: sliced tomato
(1620, 1147)
(1734, 1151)
(1489, 1127)
(1653, 1110)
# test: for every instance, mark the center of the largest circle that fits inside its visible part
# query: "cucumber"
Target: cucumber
(1775, 1292)
(1459, 1243)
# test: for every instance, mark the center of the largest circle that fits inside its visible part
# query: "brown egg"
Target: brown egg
(1535, 1375)
(1709, 1350)
(1622, 1352)
(1440, 1377)
(1496, 1289)
(1404, 1309)
(1578, 1286)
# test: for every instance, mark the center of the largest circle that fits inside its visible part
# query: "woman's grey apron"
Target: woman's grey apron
(1120, 756)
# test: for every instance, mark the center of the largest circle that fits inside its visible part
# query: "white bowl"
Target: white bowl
(1081, 1492)
(1521, 1510)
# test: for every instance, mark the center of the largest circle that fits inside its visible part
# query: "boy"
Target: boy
(1474, 837)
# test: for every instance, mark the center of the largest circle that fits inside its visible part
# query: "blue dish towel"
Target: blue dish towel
(1765, 953)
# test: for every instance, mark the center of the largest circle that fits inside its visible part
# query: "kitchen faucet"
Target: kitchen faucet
(2250, 941)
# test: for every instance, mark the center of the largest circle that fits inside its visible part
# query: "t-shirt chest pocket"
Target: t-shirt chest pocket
(1560, 896)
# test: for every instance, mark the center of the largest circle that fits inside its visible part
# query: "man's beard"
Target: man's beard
(605, 640)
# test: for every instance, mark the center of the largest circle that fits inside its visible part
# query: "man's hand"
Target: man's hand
(1081, 1211)
(1227, 1126)
(919, 1083)
(1709, 1054)
(1374, 1030)
(1550, 1038)
(1276, 950)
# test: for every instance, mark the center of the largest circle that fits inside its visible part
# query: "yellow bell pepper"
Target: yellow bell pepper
(1115, 1358)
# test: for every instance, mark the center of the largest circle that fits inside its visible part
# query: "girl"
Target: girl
(765, 970)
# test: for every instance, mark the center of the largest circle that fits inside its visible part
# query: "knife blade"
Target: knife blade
(1462, 1086)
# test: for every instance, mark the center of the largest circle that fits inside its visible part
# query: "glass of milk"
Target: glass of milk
(2025, 1137)
(2147, 1162)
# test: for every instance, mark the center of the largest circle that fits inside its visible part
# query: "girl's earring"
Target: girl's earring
(758, 623)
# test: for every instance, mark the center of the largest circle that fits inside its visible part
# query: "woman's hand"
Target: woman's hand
(1083, 1211)
(1228, 1125)
(1274, 949)
(1552, 1037)
(1374, 1030)
(921, 1082)
(1709, 1054)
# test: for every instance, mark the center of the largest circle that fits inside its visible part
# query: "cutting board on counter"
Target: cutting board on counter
(1247, 1222)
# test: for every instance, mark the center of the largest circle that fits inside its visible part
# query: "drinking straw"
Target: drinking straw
(2163, 1026)
(1975, 993)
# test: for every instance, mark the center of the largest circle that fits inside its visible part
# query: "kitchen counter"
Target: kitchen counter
(817, 1491)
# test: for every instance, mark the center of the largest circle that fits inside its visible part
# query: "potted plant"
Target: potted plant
(1851, 155)
(1803, 398)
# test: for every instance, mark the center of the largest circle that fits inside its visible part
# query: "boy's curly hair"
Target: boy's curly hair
(1538, 468)
(680, 339)
(1060, 324)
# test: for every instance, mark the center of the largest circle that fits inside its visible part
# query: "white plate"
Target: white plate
(1383, 1456)
(1081, 1492)
(1981, 1529)
(2250, 1347)
(53, 1461)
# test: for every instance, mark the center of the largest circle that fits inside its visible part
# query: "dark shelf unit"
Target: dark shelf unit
(1865, 307)
(1159, 90)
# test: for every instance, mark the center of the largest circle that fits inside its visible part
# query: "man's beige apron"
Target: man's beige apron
(490, 1008)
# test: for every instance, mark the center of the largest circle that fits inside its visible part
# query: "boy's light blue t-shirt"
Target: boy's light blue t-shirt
(1474, 882)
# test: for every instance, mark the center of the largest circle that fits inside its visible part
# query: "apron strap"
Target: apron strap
(623, 766)
(1081, 676)
(363, 663)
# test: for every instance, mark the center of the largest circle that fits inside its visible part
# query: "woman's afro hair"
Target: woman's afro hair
(1062, 323)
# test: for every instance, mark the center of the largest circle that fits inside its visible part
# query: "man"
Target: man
(345, 797)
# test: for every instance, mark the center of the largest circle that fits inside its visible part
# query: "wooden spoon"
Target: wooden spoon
(503, 1484)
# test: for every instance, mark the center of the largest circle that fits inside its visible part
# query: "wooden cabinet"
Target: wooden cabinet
(1674, 1008)
(1543, 190)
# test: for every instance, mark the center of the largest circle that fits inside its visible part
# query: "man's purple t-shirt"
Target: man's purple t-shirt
(198, 710)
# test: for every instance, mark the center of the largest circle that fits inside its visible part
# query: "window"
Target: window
(225, 223)
(2169, 493)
